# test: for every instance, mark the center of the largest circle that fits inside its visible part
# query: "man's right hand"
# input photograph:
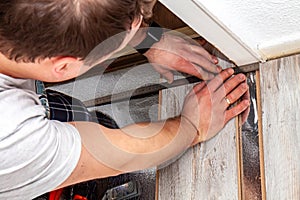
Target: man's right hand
(207, 109)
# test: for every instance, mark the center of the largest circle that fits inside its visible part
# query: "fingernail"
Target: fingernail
(230, 70)
(247, 102)
(241, 77)
(215, 59)
(170, 81)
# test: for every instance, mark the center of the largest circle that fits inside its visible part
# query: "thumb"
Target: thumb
(167, 74)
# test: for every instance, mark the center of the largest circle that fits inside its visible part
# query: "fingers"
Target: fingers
(215, 59)
(175, 53)
(236, 110)
(245, 114)
(201, 51)
(199, 87)
(200, 41)
(203, 42)
(205, 97)
(234, 89)
(183, 65)
(233, 82)
(243, 107)
(199, 72)
(215, 83)
(201, 57)
(237, 93)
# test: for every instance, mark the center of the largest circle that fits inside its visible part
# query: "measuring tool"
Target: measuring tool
(155, 88)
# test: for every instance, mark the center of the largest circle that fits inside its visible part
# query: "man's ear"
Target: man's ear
(136, 23)
(65, 67)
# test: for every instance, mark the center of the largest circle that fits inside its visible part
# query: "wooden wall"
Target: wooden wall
(207, 171)
(219, 169)
(280, 95)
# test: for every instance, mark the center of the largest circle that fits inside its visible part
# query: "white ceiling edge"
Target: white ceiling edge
(205, 24)
(195, 14)
(280, 47)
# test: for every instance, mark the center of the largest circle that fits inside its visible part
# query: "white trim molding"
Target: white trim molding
(243, 30)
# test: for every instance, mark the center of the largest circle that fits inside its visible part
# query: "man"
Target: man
(51, 40)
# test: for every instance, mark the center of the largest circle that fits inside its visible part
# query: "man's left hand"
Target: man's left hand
(175, 53)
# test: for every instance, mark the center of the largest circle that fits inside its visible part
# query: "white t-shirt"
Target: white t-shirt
(36, 154)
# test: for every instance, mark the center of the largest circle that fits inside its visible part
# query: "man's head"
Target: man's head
(38, 29)
(48, 39)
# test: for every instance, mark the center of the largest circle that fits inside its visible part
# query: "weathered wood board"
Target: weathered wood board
(207, 171)
(280, 96)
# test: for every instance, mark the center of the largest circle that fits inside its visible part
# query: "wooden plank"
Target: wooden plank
(260, 137)
(280, 95)
(207, 171)
(239, 158)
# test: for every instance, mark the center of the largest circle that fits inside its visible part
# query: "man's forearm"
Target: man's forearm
(137, 146)
(106, 152)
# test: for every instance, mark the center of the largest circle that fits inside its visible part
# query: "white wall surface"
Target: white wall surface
(257, 21)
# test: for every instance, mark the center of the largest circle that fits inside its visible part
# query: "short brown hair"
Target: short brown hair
(39, 29)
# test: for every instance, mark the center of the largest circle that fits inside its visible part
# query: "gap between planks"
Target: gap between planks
(241, 189)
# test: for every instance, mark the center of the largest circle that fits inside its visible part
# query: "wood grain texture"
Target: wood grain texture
(280, 96)
(207, 171)
(260, 137)
(165, 18)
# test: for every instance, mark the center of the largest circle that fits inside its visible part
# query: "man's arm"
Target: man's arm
(107, 152)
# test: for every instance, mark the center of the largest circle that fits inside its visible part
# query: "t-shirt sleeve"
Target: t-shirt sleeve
(36, 154)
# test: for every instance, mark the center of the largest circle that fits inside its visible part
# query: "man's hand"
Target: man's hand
(207, 109)
(174, 53)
